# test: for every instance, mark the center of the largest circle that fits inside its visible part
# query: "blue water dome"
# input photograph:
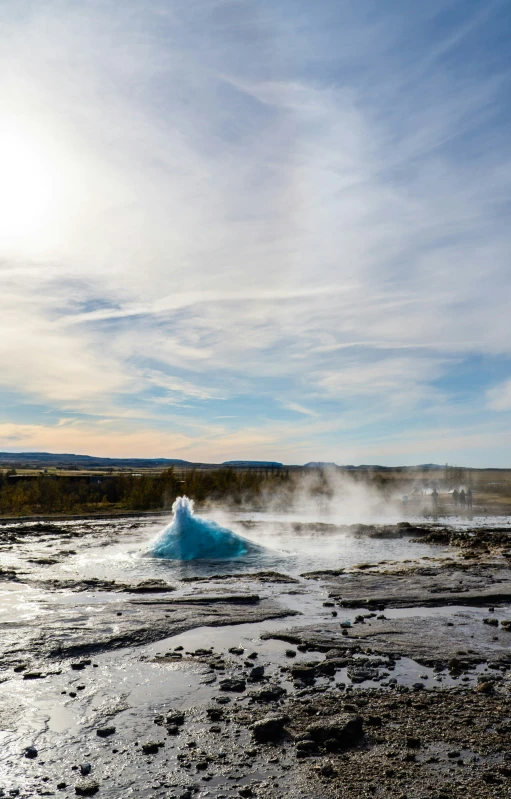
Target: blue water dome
(189, 537)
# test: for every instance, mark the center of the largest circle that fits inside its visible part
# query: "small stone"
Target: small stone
(176, 717)
(290, 653)
(270, 694)
(490, 778)
(88, 788)
(233, 684)
(30, 752)
(268, 729)
(306, 747)
(337, 735)
(151, 747)
(85, 769)
(412, 742)
(104, 732)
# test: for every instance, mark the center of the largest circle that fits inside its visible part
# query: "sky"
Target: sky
(256, 230)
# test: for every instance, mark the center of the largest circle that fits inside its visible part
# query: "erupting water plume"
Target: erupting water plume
(188, 537)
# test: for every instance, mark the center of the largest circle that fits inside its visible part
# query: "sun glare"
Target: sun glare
(31, 185)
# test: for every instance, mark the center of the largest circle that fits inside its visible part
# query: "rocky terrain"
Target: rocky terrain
(391, 679)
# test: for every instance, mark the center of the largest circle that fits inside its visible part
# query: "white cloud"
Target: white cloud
(499, 397)
(295, 406)
(218, 222)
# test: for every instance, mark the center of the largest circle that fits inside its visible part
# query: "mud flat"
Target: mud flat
(385, 679)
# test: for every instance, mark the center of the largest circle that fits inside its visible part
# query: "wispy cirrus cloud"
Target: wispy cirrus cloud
(254, 212)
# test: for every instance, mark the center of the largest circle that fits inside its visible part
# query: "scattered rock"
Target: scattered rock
(233, 684)
(336, 735)
(151, 747)
(269, 729)
(88, 788)
(270, 694)
(175, 718)
(104, 732)
(412, 742)
(256, 673)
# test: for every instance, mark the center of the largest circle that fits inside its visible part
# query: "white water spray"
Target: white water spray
(189, 537)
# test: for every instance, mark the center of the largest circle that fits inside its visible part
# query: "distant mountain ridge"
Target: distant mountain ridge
(44, 460)
(319, 465)
(88, 461)
(255, 464)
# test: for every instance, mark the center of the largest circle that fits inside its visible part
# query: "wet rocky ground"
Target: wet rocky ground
(385, 679)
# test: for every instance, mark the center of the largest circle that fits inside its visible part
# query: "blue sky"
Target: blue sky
(272, 230)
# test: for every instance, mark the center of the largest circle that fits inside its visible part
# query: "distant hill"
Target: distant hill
(46, 460)
(255, 464)
(66, 460)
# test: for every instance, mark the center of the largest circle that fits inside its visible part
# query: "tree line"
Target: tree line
(47, 494)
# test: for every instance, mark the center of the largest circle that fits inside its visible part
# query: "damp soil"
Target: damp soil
(386, 677)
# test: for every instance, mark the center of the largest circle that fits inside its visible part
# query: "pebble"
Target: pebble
(151, 747)
(88, 788)
(104, 732)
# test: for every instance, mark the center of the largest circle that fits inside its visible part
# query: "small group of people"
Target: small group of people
(462, 498)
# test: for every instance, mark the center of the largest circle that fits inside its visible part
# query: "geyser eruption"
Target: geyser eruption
(188, 537)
